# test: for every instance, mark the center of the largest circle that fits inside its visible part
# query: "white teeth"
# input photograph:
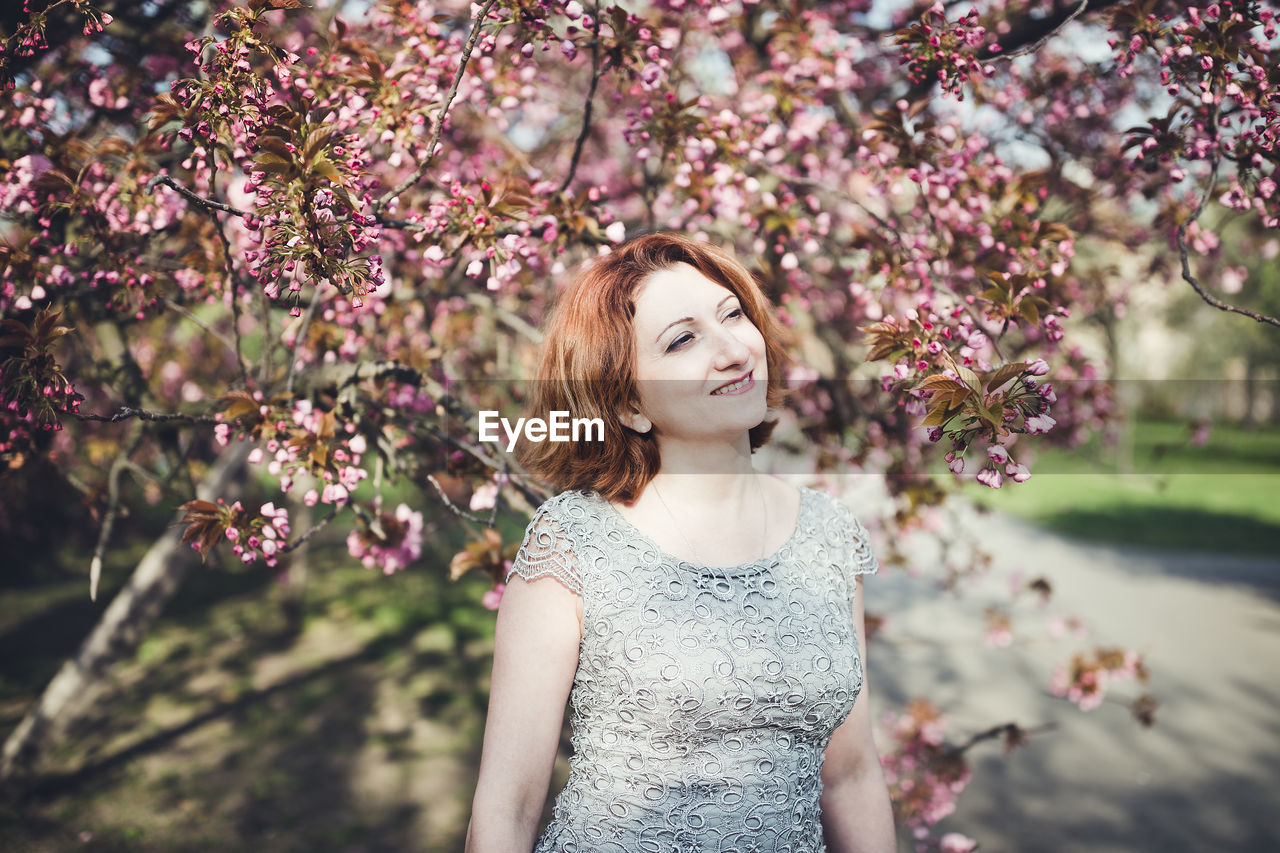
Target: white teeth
(740, 384)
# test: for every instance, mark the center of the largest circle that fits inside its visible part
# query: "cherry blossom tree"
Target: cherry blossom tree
(263, 238)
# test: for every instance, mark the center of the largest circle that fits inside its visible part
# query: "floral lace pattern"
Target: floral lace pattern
(704, 697)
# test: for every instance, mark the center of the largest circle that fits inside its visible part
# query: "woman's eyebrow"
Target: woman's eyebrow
(689, 319)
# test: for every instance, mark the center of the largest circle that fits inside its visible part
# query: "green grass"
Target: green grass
(1223, 496)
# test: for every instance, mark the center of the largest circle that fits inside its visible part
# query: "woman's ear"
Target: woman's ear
(632, 419)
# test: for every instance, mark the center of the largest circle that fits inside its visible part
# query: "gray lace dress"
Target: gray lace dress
(704, 697)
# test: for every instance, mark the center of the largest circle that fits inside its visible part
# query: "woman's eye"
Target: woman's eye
(736, 312)
(680, 341)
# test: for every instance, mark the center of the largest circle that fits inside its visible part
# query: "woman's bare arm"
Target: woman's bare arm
(857, 816)
(535, 657)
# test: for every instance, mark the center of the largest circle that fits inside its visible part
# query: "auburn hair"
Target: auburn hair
(587, 363)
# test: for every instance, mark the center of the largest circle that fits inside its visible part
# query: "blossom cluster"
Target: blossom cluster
(262, 537)
(1212, 63)
(925, 775)
(309, 444)
(937, 48)
(35, 391)
(390, 542)
(252, 536)
(1086, 680)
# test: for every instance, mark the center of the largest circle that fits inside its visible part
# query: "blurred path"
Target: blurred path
(1205, 778)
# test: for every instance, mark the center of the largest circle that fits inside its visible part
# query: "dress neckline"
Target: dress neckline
(772, 558)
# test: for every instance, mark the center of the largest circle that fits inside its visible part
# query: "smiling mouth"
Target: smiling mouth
(735, 387)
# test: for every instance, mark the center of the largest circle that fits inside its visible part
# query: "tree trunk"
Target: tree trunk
(117, 634)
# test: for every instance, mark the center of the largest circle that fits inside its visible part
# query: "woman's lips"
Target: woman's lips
(748, 382)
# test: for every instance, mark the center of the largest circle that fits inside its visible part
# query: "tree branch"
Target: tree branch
(476, 25)
(1030, 34)
(232, 279)
(339, 376)
(174, 306)
(586, 108)
(1187, 275)
(1043, 25)
(113, 511)
(297, 344)
(312, 531)
(518, 324)
(454, 508)
(127, 412)
(206, 203)
(1004, 729)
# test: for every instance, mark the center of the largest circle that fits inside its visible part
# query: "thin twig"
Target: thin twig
(1039, 43)
(517, 323)
(454, 508)
(1187, 275)
(268, 338)
(586, 108)
(314, 529)
(170, 304)
(208, 204)
(995, 732)
(476, 25)
(235, 296)
(826, 188)
(399, 224)
(297, 344)
(127, 412)
(340, 376)
(994, 338)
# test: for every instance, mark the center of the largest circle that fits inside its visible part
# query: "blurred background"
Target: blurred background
(1080, 662)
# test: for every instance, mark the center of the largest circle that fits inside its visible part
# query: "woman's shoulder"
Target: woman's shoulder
(825, 504)
(577, 512)
(835, 515)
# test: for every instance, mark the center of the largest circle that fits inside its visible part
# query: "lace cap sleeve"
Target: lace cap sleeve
(862, 561)
(547, 549)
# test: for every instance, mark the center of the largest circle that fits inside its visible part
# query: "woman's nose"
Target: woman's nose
(730, 349)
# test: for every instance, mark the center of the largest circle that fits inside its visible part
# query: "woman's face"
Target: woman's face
(700, 362)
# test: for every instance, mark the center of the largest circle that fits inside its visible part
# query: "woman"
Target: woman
(702, 618)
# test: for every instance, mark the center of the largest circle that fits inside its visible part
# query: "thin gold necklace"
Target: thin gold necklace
(764, 528)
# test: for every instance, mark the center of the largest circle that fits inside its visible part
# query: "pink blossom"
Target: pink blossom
(1039, 367)
(997, 454)
(954, 842)
(1019, 473)
(492, 598)
(400, 545)
(1038, 424)
(484, 497)
(991, 477)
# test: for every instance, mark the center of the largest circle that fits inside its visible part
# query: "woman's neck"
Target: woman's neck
(693, 474)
